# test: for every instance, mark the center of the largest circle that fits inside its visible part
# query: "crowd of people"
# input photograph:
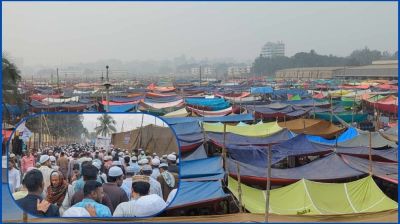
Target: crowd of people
(81, 180)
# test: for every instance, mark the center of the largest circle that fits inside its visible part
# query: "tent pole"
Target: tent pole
(370, 153)
(268, 183)
(239, 188)
(331, 110)
(224, 148)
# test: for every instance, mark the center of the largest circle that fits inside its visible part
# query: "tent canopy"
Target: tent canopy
(256, 130)
(350, 133)
(312, 127)
(229, 118)
(202, 169)
(363, 140)
(312, 198)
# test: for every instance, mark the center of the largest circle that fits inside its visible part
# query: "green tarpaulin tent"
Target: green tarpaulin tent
(346, 116)
(313, 198)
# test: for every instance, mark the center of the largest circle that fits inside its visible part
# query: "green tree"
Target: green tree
(365, 56)
(106, 126)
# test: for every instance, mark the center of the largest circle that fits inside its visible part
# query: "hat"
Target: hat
(134, 158)
(44, 158)
(130, 170)
(142, 152)
(140, 178)
(121, 154)
(163, 165)
(97, 165)
(116, 163)
(146, 168)
(171, 157)
(76, 212)
(12, 155)
(148, 205)
(52, 158)
(143, 161)
(115, 171)
(155, 162)
(164, 156)
(154, 154)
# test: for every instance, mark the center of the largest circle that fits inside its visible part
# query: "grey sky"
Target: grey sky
(51, 33)
(130, 121)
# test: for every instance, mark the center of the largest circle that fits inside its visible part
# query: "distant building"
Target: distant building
(206, 71)
(239, 70)
(307, 73)
(271, 49)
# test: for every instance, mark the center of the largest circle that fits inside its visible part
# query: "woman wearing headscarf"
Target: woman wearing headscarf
(59, 192)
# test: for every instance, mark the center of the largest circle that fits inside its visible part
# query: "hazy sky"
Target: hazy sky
(50, 33)
(130, 121)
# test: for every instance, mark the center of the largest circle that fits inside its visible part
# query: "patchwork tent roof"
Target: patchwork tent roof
(363, 140)
(199, 153)
(260, 129)
(229, 118)
(202, 169)
(312, 198)
(349, 134)
(312, 127)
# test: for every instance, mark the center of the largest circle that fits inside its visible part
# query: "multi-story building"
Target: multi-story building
(271, 49)
(239, 70)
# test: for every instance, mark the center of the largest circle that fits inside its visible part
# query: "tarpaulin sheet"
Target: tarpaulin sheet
(216, 113)
(384, 170)
(178, 113)
(61, 100)
(312, 127)
(276, 110)
(312, 198)
(163, 99)
(229, 118)
(193, 137)
(256, 130)
(261, 90)
(307, 103)
(392, 133)
(202, 169)
(350, 133)
(388, 154)
(235, 139)
(251, 154)
(125, 99)
(161, 105)
(333, 167)
(192, 193)
(199, 153)
(282, 93)
(363, 140)
(122, 108)
(212, 104)
(300, 145)
(186, 128)
(346, 116)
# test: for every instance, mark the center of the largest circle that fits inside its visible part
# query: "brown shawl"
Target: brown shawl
(56, 195)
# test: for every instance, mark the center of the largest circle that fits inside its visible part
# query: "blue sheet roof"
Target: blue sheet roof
(230, 118)
(191, 193)
(350, 133)
(261, 90)
(202, 169)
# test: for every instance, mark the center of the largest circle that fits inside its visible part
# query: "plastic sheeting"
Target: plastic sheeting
(212, 104)
(312, 198)
(122, 108)
(363, 140)
(261, 90)
(349, 134)
(300, 145)
(59, 100)
(199, 153)
(205, 113)
(255, 155)
(162, 105)
(178, 113)
(387, 154)
(229, 118)
(202, 169)
(384, 170)
(185, 128)
(218, 138)
(333, 167)
(346, 116)
(192, 193)
(312, 127)
(277, 110)
(256, 130)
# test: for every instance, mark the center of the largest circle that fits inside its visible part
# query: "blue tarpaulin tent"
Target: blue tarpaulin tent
(261, 90)
(347, 135)
(202, 169)
(229, 118)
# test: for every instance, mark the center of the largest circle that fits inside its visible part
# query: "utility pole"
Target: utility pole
(107, 85)
(200, 75)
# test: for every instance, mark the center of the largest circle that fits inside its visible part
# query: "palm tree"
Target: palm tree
(106, 125)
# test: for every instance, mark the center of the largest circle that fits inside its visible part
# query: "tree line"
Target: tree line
(268, 66)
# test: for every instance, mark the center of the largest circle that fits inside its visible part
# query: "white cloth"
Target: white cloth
(76, 212)
(127, 186)
(14, 179)
(144, 206)
(171, 196)
(66, 204)
(155, 187)
(155, 173)
(46, 171)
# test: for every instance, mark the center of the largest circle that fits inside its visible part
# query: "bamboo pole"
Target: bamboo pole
(370, 153)
(239, 188)
(268, 184)
(224, 148)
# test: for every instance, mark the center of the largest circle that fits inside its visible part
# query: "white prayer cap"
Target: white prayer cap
(147, 168)
(115, 171)
(97, 165)
(76, 212)
(149, 205)
(155, 162)
(134, 158)
(107, 158)
(52, 158)
(163, 165)
(113, 153)
(116, 163)
(143, 161)
(12, 155)
(171, 157)
(154, 154)
(121, 154)
(44, 158)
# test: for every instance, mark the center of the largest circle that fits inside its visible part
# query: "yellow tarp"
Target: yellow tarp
(178, 113)
(255, 130)
(313, 198)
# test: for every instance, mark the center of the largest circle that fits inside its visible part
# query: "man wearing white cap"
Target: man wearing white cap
(142, 155)
(134, 167)
(142, 204)
(154, 164)
(168, 181)
(113, 186)
(14, 177)
(53, 163)
(46, 171)
(155, 186)
(172, 167)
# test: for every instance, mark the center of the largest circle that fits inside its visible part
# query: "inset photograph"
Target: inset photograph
(93, 165)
